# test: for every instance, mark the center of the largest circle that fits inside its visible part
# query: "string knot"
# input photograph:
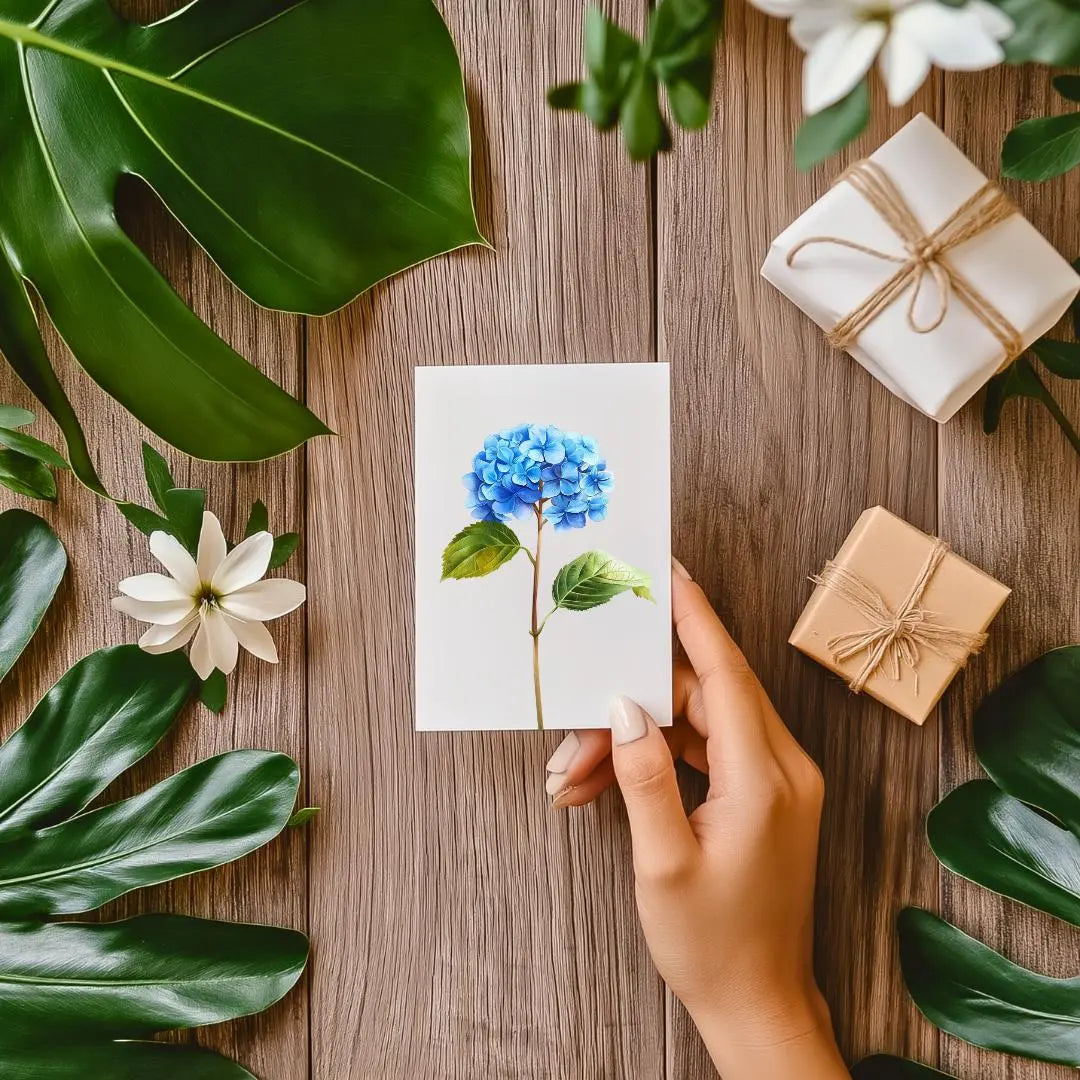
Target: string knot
(926, 254)
(894, 639)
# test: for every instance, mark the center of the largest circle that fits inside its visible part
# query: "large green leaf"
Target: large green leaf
(1042, 148)
(64, 981)
(1047, 31)
(101, 717)
(479, 549)
(209, 814)
(312, 147)
(989, 837)
(1027, 735)
(595, 578)
(883, 1067)
(32, 562)
(118, 1061)
(976, 994)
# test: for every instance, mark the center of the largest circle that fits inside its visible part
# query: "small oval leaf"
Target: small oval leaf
(479, 549)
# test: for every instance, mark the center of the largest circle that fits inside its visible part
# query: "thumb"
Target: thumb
(662, 838)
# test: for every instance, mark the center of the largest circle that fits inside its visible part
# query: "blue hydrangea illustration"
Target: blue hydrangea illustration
(532, 464)
(559, 478)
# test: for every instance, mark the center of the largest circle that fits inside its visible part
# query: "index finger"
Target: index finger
(733, 696)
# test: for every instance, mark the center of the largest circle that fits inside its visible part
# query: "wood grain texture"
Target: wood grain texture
(1011, 503)
(464, 929)
(267, 706)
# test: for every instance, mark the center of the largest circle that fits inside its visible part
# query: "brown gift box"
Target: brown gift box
(898, 613)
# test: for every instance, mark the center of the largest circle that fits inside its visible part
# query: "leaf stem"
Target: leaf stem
(1062, 419)
(536, 626)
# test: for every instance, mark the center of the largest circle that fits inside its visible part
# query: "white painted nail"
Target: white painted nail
(680, 569)
(627, 721)
(556, 781)
(565, 753)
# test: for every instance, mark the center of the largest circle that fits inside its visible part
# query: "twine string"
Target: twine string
(925, 255)
(896, 639)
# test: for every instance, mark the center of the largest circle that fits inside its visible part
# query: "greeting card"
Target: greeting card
(542, 502)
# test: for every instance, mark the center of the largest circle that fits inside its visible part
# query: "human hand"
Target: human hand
(725, 896)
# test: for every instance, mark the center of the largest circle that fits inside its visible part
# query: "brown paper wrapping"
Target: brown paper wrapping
(889, 554)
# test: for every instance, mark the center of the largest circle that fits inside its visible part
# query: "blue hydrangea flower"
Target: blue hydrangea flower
(539, 465)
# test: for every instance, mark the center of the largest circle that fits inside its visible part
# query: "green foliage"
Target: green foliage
(1047, 31)
(479, 549)
(1020, 379)
(311, 149)
(303, 816)
(883, 1067)
(624, 76)
(829, 131)
(24, 460)
(1019, 834)
(32, 563)
(78, 999)
(214, 691)
(595, 578)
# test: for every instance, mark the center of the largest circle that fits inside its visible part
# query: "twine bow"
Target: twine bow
(926, 254)
(895, 638)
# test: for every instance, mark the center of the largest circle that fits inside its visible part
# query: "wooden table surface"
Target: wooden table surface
(460, 928)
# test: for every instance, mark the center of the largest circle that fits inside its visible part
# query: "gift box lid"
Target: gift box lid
(889, 554)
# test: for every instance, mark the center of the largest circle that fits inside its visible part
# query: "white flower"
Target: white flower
(842, 38)
(219, 599)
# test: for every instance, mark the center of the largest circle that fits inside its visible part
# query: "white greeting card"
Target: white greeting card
(543, 551)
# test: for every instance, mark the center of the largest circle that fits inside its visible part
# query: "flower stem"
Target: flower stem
(536, 627)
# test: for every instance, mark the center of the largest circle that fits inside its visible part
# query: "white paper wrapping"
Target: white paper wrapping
(1011, 264)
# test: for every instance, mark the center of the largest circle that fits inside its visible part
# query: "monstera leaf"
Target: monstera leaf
(77, 999)
(1017, 833)
(312, 147)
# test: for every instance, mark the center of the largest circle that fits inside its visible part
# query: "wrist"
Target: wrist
(780, 1036)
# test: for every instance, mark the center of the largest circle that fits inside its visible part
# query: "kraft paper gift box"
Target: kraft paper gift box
(997, 285)
(896, 614)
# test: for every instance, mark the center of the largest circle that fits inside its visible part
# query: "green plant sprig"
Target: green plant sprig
(25, 461)
(624, 75)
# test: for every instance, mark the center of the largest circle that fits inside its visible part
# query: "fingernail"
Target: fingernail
(627, 721)
(559, 763)
(562, 800)
(680, 569)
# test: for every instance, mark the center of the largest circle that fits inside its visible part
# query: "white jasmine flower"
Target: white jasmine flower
(843, 37)
(219, 599)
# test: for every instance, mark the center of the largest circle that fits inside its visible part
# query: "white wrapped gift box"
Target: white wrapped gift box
(1011, 264)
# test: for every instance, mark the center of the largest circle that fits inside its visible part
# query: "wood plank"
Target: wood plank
(267, 707)
(463, 928)
(780, 442)
(1011, 504)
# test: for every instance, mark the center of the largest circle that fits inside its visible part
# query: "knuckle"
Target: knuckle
(663, 870)
(645, 777)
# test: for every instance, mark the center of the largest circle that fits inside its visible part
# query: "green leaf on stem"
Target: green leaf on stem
(284, 547)
(303, 816)
(159, 478)
(884, 1067)
(32, 564)
(595, 578)
(214, 691)
(643, 127)
(974, 993)
(1042, 148)
(184, 508)
(258, 520)
(829, 131)
(25, 476)
(30, 447)
(1021, 380)
(479, 549)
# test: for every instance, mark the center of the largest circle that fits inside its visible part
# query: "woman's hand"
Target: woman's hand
(726, 896)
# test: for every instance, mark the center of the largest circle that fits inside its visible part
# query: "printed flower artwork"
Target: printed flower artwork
(559, 478)
(219, 598)
(842, 38)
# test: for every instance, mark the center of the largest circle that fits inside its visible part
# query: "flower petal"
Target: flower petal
(255, 638)
(174, 557)
(164, 612)
(996, 23)
(244, 565)
(152, 587)
(212, 547)
(841, 57)
(904, 67)
(265, 600)
(215, 645)
(163, 639)
(953, 38)
(809, 25)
